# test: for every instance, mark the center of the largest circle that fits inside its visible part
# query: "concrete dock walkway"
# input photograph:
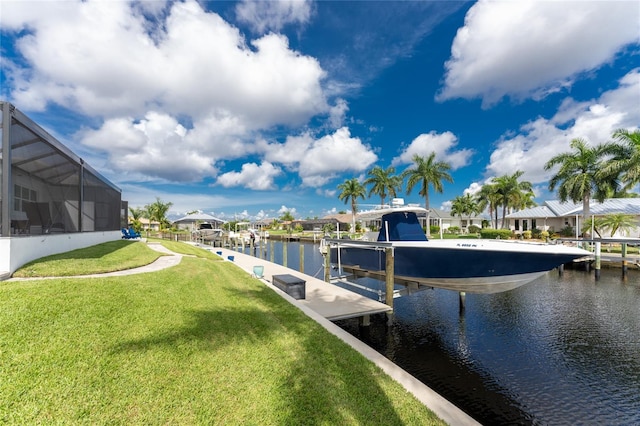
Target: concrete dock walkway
(328, 300)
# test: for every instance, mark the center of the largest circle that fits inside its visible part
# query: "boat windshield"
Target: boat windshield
(401, 226)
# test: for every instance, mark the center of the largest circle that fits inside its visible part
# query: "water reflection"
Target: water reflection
(560, 350)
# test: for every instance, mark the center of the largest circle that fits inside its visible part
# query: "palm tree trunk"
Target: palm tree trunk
(585, 210)
(504, 213)
(353, 215)
(426, 204)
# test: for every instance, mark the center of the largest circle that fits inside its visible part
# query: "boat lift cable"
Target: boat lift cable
(316, 274)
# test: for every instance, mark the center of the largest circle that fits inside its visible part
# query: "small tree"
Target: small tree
(136, 214)
(618, 222)
(328, 228)
(157, 211)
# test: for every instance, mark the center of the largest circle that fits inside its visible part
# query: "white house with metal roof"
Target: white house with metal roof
(445, 220)
(555, 215)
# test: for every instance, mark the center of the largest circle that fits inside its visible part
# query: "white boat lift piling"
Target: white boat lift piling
(597, 258)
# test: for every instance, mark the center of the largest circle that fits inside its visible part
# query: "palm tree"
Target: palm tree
(510, 192)
(524, 200)
(157, 211)
(287, 218)
(136, 214)
(628, 164)
(352, 189)
(582, 175)
(618, 221)
(488, 196)
(465, 205)
(427, 172)
(383, 182)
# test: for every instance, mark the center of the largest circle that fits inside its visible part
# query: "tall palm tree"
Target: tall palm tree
(628, 164)
(510, 192)
(383, 182)
(523, 200)
(351, 190)
(581, 174)
(488, 196)
(427, 171)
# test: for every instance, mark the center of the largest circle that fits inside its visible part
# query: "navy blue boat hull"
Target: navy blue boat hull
(461, 269)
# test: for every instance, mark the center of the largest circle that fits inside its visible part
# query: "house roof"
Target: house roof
(442, 214)
(556, 208)
(534, 212)
(341, 217)
(203, 217)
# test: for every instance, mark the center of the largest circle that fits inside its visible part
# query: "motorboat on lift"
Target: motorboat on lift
(473, 266)
(206, 232)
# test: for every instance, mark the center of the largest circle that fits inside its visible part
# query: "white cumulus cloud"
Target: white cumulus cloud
(156, 146)
(528, 48)
(443, 144)
(143, 72)
(593, 120)
(273, 15)
(252, 176)
(318, 161)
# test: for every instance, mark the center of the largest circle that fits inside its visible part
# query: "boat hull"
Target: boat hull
(474, 267)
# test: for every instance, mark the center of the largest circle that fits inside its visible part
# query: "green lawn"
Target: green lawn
(201, 343)
(107, 257)
(186, 249)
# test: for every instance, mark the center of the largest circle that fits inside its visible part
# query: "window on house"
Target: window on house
(517, 224)
(22, 194)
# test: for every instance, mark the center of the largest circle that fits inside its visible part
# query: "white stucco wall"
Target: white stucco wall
(15, 252)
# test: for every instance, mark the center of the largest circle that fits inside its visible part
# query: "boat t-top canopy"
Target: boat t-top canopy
(397, 205)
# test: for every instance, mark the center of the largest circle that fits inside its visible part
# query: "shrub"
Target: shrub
(567, 231)
(435, 229)
(454, 230)
(474, 229)
(535, 233)
(492, 234)
(544, 235)
(526, 235)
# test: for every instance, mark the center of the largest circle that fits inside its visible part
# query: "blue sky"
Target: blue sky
(248, 109)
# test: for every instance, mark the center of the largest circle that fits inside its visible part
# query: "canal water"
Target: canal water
(562, 350)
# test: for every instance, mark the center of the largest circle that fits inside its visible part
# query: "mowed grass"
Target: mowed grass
(199, 343)
(101, 258)
(186, 249)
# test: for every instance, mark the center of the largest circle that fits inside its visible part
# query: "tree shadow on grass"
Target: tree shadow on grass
(323, 383)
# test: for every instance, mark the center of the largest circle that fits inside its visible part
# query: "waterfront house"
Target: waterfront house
(148, 225)
(51, 200)
(341, 220)
(554, 215)
(445, 220)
